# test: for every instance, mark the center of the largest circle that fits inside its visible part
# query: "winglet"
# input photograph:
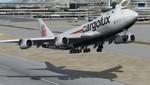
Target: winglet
(45, 31)
(123, 3)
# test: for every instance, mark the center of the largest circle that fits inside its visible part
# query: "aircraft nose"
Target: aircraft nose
(134, 15)
(131, 16)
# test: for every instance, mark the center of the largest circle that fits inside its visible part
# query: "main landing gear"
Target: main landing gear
(84, 49)
(80, 50)
(87, 50)
(75, 50)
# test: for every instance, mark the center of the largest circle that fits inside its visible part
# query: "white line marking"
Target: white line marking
(49, 81)
(5, 67)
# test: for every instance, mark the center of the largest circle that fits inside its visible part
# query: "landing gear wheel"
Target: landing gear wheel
(86, 50)
(75, 50)
(99, 49)
(89, 50)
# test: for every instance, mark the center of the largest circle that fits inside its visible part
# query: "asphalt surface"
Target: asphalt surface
(19, 71)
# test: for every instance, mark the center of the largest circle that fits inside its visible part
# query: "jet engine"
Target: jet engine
(61, 41)
(25, 43)
(121, 38)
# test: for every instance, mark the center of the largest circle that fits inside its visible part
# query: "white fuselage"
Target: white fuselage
(108, 23)
(106, 27)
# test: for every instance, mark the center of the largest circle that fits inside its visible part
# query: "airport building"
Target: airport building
(64, 8)
(49, 8)
(141, 4)
(143, 8)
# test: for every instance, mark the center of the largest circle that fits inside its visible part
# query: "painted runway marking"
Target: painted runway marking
(5, 67)
(50, 81)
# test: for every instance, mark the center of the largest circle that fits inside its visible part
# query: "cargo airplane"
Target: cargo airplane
(111, 27)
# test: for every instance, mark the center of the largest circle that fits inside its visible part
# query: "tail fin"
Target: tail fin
(45, 31)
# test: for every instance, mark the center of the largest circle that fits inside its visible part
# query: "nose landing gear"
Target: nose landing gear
(99, 46)
(99, 49)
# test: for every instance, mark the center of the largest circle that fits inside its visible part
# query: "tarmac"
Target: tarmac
(126, 64)
(16, 71)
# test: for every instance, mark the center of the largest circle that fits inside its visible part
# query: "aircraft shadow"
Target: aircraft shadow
(69, 74)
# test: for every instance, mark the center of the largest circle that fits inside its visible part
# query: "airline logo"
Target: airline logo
(43, 31)
(93, 26)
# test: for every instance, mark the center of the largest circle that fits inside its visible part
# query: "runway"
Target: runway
(14, 67)
(15, 71)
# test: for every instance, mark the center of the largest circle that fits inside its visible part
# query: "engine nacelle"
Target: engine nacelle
(25, 43)
(128, 38)
(61, 41)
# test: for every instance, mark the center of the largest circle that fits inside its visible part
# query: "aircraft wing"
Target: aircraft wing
(34, 40)
(10, 41)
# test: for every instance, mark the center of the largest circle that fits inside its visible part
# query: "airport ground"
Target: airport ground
(132, 60)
